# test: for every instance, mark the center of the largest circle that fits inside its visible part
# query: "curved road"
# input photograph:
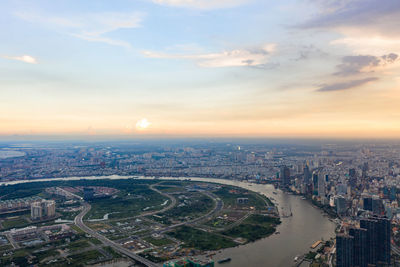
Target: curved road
(219, 204)
(79, 222)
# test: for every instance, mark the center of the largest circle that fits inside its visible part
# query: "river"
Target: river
(297, 233)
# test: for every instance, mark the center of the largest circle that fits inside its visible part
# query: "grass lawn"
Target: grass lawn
(77, 245)
(41, 255)
(262, 220)
(14, 223)
(195, 238)
(254, 227)
(158, 242)
(5, 247)
(197, 206)
(229, 196)
(125, 205)
(250, 232)
(85, 257)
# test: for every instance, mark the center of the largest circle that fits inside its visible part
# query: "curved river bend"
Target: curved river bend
(297, 233)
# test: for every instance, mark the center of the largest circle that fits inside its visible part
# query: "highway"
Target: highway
(79, 222)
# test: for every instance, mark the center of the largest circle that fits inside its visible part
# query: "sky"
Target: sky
(235, 68)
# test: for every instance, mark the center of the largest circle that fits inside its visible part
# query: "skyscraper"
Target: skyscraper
(307, 174)
(367, 203)
(378, 239)
(360, 246)
(344, 250)
(321, 184)
(285, 176)
(377, 205)
(341, 206)
(315, 183)
(352, 177)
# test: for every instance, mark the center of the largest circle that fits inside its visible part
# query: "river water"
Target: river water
(297, 233)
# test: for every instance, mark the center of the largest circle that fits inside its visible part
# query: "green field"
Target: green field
(194, 238)
(158, 242)
(77, 245)
(198, 205)
(127, 204)
(5, 247)
(254, 227)
(41, 255)
(229, 198)
(84, 258)
(262, 220)
(14, 223)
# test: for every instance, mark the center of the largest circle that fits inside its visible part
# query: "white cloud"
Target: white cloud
(89, 27)
(367, 26)
(201, 4)
(233, 58)
(24, 58)
(370, 45)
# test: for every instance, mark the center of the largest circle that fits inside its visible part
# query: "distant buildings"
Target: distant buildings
(14, 205)
(43, 209)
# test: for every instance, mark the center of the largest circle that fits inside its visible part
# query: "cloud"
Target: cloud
(307, 51)
(346, 85)
(363, 63)
(24, 58)
(371, 17)
(201, 4)
(89, 27)
(234, 58)
(355, 66)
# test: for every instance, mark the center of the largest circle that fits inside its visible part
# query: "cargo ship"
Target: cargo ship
(224, 260)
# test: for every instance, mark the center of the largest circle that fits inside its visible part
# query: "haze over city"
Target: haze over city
(231, 68)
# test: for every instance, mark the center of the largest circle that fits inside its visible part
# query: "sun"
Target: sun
(142, 124)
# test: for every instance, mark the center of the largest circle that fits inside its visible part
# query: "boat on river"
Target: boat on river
(224, 260)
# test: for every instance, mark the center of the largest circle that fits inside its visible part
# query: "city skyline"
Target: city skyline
(240, 68)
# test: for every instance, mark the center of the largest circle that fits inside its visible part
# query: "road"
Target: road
(219, 204)
(79, 222)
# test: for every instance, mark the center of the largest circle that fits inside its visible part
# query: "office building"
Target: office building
(360, 246)
(367, 203)
(378, 239)
(307, 174)
(285, 176)
(341, 206)
(315, 183)
(344, 250)
(321, 184)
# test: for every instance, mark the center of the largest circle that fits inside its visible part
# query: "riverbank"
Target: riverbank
(297, 232)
